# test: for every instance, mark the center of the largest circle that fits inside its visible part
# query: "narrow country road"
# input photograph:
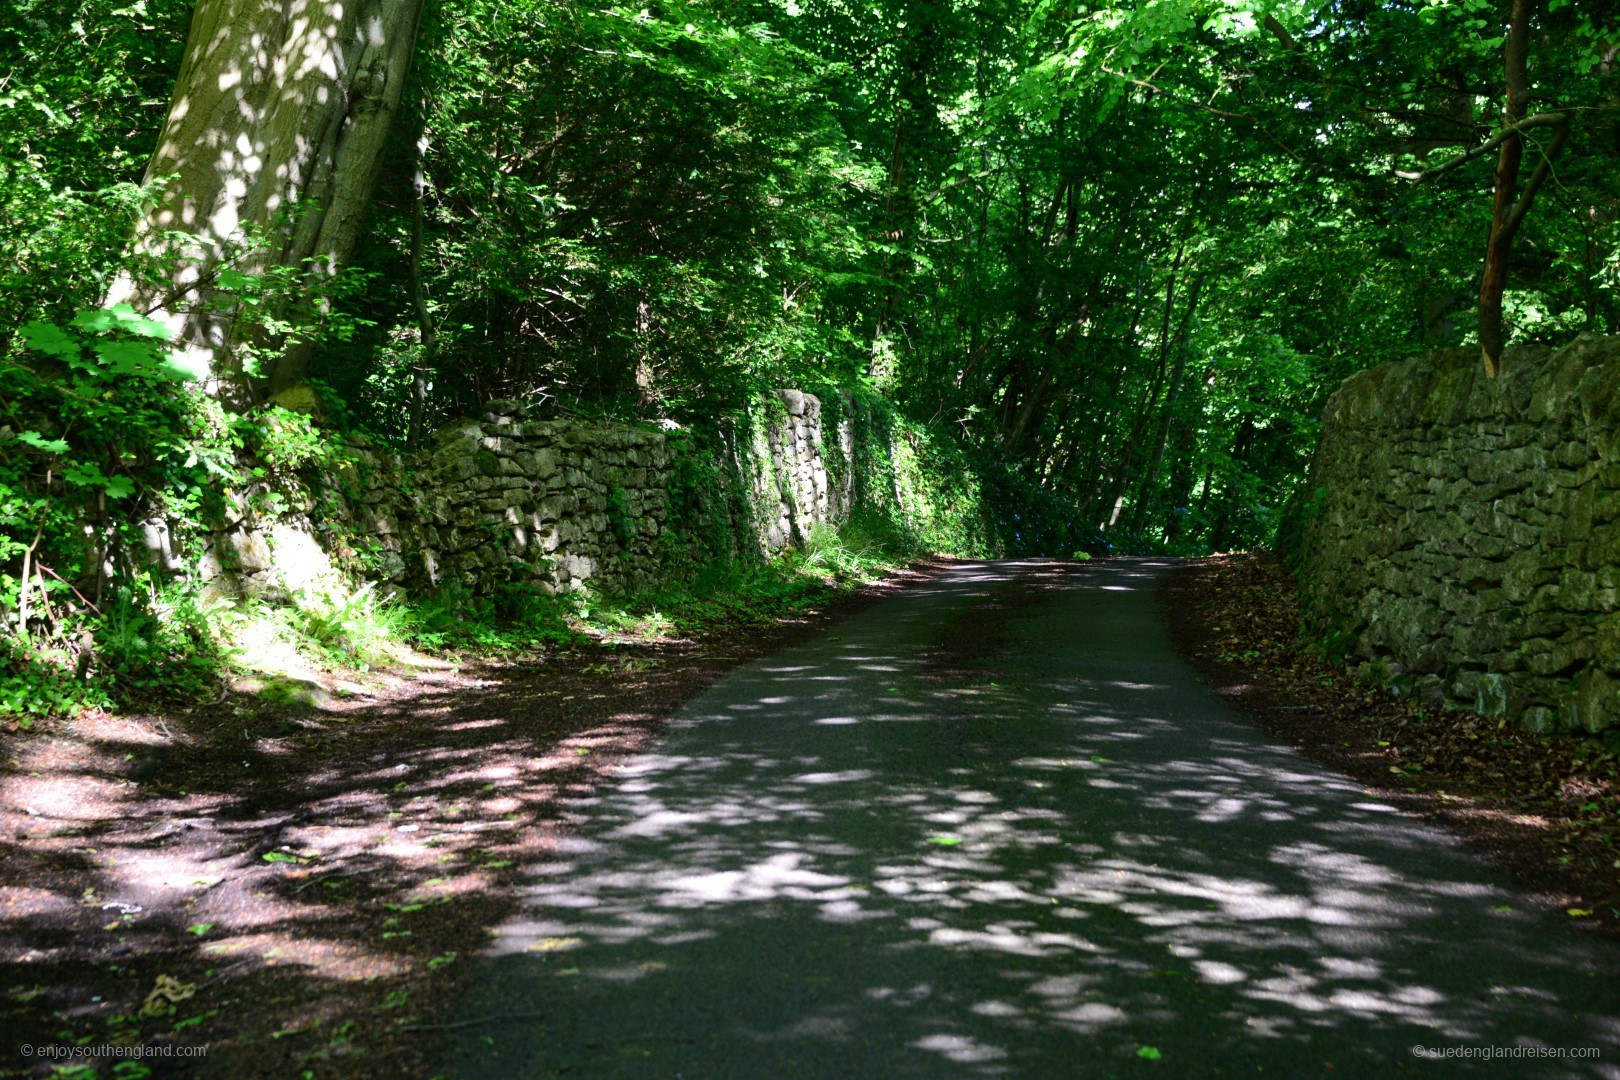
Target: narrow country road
(995, 827)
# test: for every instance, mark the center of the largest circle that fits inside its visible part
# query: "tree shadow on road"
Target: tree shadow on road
(312, 882)
(971, 853)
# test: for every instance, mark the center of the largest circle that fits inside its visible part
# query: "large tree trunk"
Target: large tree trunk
(276, 131)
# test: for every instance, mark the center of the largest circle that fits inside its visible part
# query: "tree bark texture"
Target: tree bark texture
(275, 133)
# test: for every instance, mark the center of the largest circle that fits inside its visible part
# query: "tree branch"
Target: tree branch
(1505, 213)
(1191, 104)
(1560, 119)
(1281, 33)
(1537, 178)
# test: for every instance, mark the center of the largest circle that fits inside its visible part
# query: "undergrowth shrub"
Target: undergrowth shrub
(109, 441)
(353, 625)
(517, 615)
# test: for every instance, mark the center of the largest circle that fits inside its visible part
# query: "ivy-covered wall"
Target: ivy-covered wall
(567, 504)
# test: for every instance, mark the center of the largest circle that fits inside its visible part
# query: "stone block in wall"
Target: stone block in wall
(380, 523)
(1595, 703)
(577, 567)
(545, 464)
(1492, 696)
(247, 551)
(1558, 656)
(498, 444)
(1606, 641)
(1603, 548)
(1540, 719)
(391, 566)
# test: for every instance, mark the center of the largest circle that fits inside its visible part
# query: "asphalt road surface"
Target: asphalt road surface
(994, 827)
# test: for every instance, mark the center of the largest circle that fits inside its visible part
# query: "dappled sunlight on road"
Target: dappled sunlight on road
(1042, 847)
(326, 876)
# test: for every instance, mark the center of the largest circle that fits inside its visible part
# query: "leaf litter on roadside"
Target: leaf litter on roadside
(1546, 807)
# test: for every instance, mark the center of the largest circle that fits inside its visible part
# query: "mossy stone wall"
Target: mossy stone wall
(1461, 535)
(562, 505)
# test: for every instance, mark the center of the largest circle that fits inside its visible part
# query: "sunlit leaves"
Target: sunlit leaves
(120, 317)
(40, 442)
(76, 131)
(88, 474)
(614, 191)
(50, 340)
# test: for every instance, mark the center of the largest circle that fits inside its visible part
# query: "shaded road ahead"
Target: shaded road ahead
(994, 827)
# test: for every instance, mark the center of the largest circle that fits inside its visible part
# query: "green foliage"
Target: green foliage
(517, 616)
(40, 681)
(1105, 263)
(846, 552)
(1248, 155)
(709, 521)
(533, 614)
(112, 461)
(728, 592)
(1305, 506)
(77, 125)
(607, 192)
(620, 521)
(930, 493)
(157, 640)
(351, 626)
(103, 432)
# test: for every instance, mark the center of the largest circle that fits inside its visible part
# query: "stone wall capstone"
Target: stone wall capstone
(1461, 535)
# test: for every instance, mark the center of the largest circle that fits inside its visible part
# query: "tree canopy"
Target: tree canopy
(1129, 248)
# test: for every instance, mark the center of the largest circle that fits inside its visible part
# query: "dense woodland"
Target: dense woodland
(1126, 249)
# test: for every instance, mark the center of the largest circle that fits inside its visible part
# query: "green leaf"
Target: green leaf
(236, 281)
(120, 317)
(88, 474)
(200, 928)
(1148, 1053)
(126, 357)
(51, 340)
(945, 841)
(38, 441)
(84, 473)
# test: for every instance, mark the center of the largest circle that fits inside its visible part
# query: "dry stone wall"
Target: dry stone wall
(1462, 534)
(796, 480)
(557, 504)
